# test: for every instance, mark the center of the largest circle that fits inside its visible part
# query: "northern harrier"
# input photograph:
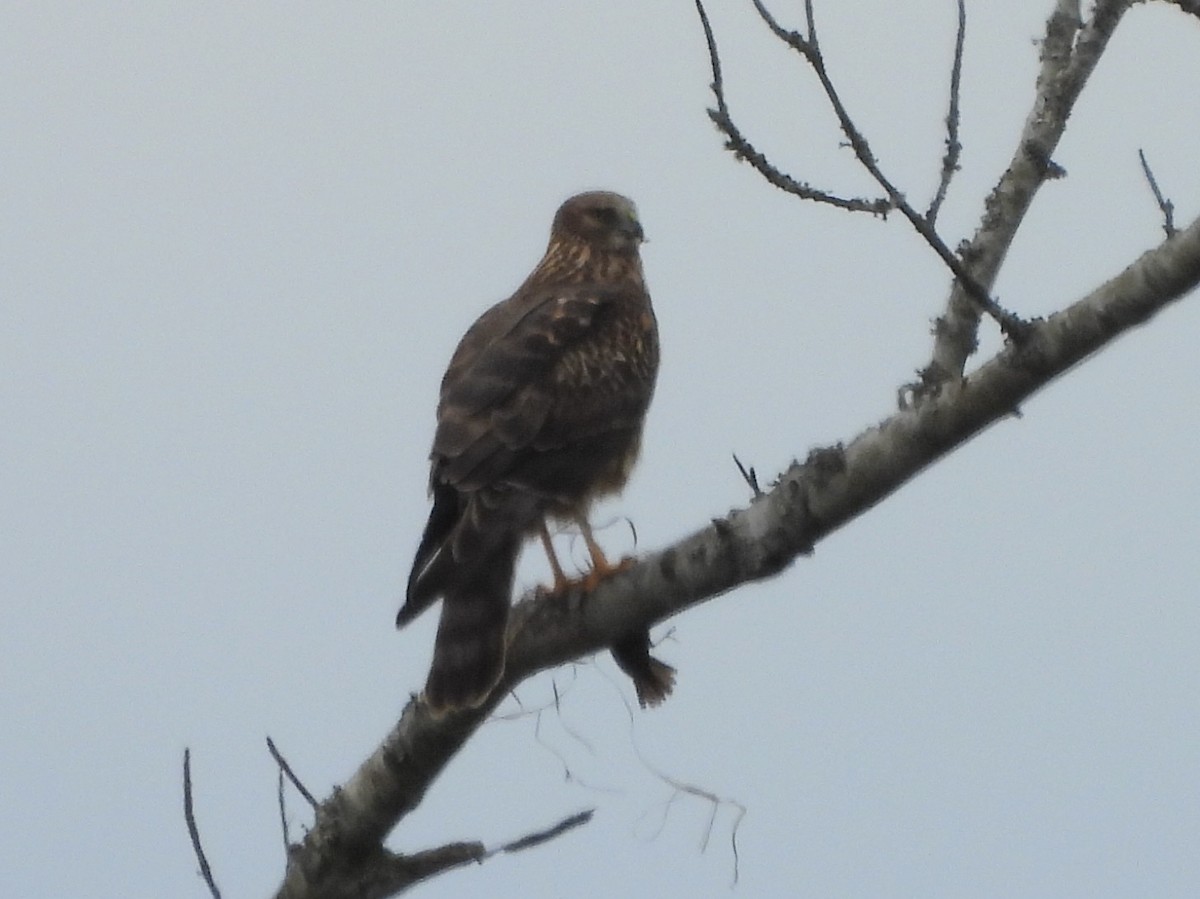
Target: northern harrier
(541, 412)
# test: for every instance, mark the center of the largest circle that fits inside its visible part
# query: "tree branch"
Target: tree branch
(544, 836)
(1191, 7)
(1070, 51)
(285, 768)
(808, 502)
(1166, 206)
(189, 816)
(742, 149)
(810, 49)
(1009, 323)
(953, 147)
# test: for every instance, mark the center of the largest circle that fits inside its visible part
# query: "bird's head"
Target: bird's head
(602, 220)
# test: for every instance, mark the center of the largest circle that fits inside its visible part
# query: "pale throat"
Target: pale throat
(577, 261)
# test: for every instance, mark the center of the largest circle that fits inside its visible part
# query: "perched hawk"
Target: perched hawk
(541, 412)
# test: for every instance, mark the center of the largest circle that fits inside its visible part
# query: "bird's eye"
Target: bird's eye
(605, 214)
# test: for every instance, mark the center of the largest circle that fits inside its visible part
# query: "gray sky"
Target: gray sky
(240, 241)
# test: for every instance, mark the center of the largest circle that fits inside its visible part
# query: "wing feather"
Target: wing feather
(522, 392)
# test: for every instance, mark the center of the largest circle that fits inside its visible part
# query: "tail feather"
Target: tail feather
(468, 655)
(467, 556)
(424, 581)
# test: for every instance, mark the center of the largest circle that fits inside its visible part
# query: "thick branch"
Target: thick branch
(808, 502)
(1191, 7)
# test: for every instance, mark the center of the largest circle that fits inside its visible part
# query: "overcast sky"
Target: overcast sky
(238, 244)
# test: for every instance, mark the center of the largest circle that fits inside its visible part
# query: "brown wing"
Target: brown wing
(565, 379)
(516, 413)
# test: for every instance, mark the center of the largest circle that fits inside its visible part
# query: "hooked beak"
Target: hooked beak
(632, 229)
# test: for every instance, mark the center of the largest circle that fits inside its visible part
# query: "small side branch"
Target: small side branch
(1070, 49)
(742, 149)
(283, 819)
(544, 836)
(1167, 207)
(382, 873)
(953, 147)
(291, 775)
(189, 815)
(808, 46)
(749, 476)
(1013, 326)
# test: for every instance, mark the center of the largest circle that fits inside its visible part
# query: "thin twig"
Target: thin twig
(193, 831)
(1167, 207)
(749, 476)
(570, 731)
(1012, 325)
(537, 735)
(283, 821)
(793, 39)
(291, 775)
(809, 47)
(542, 836)
(742, 149)
(953, 147)
(680, 788)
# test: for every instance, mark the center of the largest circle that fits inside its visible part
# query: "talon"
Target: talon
(601, 569)
(599, 574)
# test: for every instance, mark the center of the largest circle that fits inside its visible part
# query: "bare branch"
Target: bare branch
(189, 816)
(389, 875)
(793, 39)
(283, 820)
(809, 47)
(1070, 51)
(742, 149)
(749, 476)
(1167, 207)
(1191, 7)
(808, 502)
(1009, 323)
(382, 874)
(953, 147)
(544, 836)
(291, 775)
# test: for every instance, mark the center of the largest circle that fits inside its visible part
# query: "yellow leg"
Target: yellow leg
(601, 567)
(600, 563)
(560, 580)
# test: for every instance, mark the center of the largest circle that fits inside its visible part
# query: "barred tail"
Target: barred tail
(468, 655)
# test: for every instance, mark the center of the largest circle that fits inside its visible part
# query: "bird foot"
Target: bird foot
(587, 582)
(602, 573)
